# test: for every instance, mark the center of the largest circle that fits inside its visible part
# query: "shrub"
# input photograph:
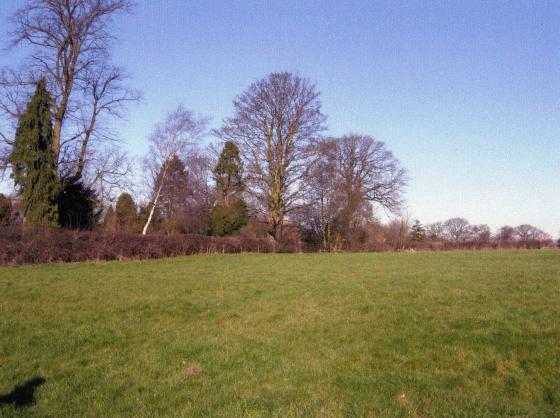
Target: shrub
(19, 245)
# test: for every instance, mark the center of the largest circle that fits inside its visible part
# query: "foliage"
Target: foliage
(417, 233)
(228, 173)
(78, 206)
(34, 165)
(173, 198)
(126, 214)
(6, 210)
(385, 335)
(227, 220)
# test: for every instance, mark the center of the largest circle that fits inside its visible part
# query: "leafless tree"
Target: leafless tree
(70, 42)
(346, 178)
(435, 231)
(175, 137)
(398, 232)
(274, 122)
(480, 233)
(369, 171)
(505, 234)
(525, 233)
(456, 229)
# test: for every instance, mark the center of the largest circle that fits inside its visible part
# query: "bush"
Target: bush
(20, 245)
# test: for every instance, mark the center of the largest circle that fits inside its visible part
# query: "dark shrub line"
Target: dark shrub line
(20, 245)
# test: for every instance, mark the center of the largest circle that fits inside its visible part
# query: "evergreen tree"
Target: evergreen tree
(77, 206)
(230, 214)
(34, 165)
(418, 233)
(125, 211)
(227, 220)
(6, 210)
(228, 173)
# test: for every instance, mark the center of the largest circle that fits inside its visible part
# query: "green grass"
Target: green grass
(416, 334)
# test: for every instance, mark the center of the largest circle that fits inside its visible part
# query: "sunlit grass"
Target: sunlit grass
(423, 334)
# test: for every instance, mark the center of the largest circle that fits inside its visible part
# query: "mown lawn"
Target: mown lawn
(417, 334)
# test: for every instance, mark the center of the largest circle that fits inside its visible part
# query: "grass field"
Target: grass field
(417, 334)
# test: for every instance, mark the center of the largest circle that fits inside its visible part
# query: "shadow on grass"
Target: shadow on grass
(22, 395)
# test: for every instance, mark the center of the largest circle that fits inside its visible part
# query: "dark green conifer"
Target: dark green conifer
(230, 214)
(33, 161)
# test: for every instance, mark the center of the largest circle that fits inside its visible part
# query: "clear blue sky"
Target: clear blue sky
(466, 93)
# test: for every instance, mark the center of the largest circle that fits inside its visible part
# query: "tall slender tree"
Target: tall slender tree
(228, 172)
(230, 213)
(34, 164)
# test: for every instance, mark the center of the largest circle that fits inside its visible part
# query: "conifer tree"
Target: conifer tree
(418, 233)
(230, 214)
(34, 166)
(126, 214)
(228, 172)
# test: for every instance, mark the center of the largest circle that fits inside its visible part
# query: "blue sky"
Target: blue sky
(466, 94)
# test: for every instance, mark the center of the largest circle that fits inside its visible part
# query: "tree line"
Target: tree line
(273, 171)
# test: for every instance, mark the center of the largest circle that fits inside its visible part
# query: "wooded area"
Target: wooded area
(271, 170)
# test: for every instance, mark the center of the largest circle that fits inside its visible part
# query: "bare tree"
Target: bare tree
(398, 232)
(525, 233)
(175, 137)
(480, 233)
(70, 42)
(456, 229)
(346, 179)
(435, 231)
(368, 171)
(275, 120)
(505, 234)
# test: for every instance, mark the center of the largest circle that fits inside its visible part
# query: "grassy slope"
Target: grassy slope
(425, 334)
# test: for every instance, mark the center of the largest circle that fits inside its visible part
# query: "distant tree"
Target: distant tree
(125, 211)
(110, 220)
(228, 173)
(417, 233)
(171, 138)
(230, 213)
(174, 194)
(274, 122)
(6, 210)
(505, 234)
(480, 233)
(34, 166)
(345, 180)
(526, 234)
(226, 220)
(201, 193)
(398, 232)
(78, 206)
(456, 229)
(435, 231)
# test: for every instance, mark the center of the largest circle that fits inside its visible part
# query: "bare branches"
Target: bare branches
(344, 178)
(176, 137)
(70, 41)
(275, 120)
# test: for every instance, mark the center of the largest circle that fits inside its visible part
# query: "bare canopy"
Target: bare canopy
(69, 42)
(275, 120)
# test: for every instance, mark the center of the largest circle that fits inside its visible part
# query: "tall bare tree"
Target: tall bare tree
(347, 178)
(174, 138)
(69, 42)
(457, 229)
(275, 120)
